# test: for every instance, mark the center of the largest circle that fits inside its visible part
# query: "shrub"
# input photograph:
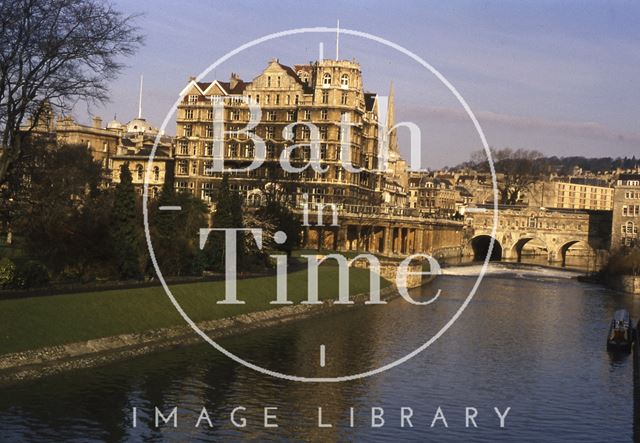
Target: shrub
(32, 274)
(7, 272)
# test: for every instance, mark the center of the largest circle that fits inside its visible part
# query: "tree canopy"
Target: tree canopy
(52, 54)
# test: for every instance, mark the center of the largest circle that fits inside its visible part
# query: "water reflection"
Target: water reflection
(537, 345)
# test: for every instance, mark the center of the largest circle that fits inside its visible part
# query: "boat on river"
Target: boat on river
(621, 332)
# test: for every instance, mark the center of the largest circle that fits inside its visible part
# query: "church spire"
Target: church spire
(140, 100)
(391, 120)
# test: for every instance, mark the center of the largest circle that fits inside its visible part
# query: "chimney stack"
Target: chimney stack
(235, 79)
(97, 122)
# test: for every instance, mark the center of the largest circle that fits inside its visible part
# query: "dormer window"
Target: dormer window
(344, 81)
(193, 99)
(326, 79)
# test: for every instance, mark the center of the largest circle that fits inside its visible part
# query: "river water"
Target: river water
(533, 341)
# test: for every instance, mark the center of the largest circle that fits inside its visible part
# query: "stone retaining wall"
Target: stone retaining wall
(625, 283)
(55, 359)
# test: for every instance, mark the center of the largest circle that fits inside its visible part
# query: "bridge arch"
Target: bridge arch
(480, 245)
(563, 249)
(519, 245)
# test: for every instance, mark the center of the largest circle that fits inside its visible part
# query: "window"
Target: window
(325, 97)
(194, 167)
(188, 114)
(182, 167)
(323, 132)
(297, 99)
(257, 98)
(305, 133)
(345, 98)
(629, 229)
(209, 114)
(208, 149)
(278, 81)
(288, 100)
(184, 147)
(208, 169)
(344, 81)
(532, 222)
(268, 81)
(139, 172)
(277, 97)
(287, 133)
(193, 99)
(233, 150)
(306, 115)
(209, 131)
(326, 79)
(156, 173)
(291, 116)
(188, 130)
(271, 116)
(267, 99)
(270, 151)
(271, 132)
(324, 114)
(234, 115)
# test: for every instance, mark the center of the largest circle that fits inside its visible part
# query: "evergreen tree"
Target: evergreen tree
(228, 214)
(125, 231)
(175, 234)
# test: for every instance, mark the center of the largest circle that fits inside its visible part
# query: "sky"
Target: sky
(557, 77)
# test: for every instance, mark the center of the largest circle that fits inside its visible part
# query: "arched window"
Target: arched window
(326, 79)
(630, 228)
(344, 80)
(156, 173)
(139, 172)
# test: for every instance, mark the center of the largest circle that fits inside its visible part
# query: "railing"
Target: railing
(383, 212)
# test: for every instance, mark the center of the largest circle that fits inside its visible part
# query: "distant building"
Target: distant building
(135, 147)
(433, 196)
(626, 211)
(582, 193)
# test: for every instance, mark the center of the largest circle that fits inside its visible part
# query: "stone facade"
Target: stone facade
(323, 93)
(555, 230)
(626, 211)
(572, 194)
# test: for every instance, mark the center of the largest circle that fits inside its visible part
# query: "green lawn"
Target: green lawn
(36, 322)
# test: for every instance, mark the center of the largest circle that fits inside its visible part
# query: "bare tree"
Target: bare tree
(517, 170)
(55, 52)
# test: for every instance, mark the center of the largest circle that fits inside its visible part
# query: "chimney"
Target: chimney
(192, 78)
(235, 79)
(97, 122)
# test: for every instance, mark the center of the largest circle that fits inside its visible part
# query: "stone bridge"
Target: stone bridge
(555, 230)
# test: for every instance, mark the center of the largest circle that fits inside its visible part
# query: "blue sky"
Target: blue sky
(561, 78)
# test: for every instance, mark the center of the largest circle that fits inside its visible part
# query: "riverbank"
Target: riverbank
(42, 336)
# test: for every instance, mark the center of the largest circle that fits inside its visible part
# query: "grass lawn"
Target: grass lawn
(36, 322)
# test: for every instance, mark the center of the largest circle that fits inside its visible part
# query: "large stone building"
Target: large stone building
(582, 193)
(626, 211)
(432, 196)
(324, 93)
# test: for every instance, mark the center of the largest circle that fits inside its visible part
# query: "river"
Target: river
(533, 341)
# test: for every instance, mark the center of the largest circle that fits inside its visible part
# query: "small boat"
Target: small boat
(621, 333)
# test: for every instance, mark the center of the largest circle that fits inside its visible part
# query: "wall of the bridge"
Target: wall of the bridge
(554, 231)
